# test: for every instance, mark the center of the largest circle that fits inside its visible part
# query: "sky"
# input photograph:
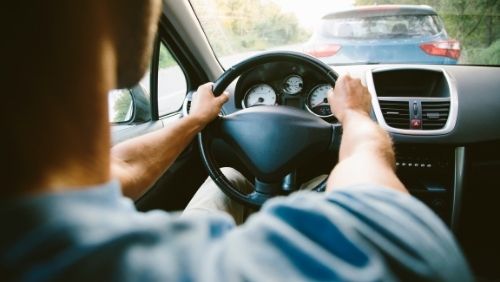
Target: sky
(309, 12)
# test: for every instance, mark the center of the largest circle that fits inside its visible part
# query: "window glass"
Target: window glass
(355, 31)
(172, 85)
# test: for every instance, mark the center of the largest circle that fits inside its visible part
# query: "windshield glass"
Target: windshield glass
(355, 31)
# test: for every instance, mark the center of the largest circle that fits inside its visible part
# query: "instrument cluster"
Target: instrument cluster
(286, 86)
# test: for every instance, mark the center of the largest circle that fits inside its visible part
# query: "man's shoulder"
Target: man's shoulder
(98, 231)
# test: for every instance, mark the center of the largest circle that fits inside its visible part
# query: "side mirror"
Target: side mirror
(120, 106)
(129, 105)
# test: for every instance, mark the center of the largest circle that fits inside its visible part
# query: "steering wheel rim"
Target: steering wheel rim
(206, 136)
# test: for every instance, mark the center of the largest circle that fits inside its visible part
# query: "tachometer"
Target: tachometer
(317, 102)
(259, 95)
(293, 84)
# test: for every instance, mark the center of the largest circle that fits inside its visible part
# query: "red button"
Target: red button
(416, 124)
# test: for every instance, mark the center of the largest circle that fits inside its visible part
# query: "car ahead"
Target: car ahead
(383, 34)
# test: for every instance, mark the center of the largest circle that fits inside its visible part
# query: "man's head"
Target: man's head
(62, 58)
(134, 28)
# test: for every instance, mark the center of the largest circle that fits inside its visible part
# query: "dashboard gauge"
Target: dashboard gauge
(293, 84)
(259, 95)
(317, 102)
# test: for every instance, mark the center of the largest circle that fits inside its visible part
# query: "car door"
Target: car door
(151, 105)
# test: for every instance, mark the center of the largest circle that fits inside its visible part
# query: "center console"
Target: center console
(429, 173)
(422, 101)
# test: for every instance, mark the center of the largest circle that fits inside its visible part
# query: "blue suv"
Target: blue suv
(383, 34)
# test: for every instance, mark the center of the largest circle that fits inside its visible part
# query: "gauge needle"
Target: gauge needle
(325, 101)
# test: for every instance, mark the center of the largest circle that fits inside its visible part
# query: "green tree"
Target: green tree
(165, 60)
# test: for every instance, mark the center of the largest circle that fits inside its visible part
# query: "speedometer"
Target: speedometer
(317, 102)
(259, 95)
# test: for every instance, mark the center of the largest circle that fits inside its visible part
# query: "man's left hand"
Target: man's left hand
(205, 107)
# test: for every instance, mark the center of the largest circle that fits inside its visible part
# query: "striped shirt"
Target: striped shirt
(360, 233)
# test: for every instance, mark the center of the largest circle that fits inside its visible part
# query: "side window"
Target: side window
(172, 85)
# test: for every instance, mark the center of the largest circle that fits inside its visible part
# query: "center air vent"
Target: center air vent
(414, 101)
(396, 113)
(435, 114)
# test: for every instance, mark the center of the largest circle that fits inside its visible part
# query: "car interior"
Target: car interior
(442, 118)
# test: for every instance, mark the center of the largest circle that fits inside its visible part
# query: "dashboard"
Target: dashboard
(284, 84)
(473, 96)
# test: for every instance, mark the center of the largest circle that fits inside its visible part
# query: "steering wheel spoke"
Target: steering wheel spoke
(271, 141)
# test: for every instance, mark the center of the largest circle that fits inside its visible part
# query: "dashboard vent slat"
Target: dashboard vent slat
(396, 113)
(434, 114)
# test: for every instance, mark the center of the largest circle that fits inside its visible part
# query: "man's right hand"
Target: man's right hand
(366, 155)
(349, 95)
(205, 106)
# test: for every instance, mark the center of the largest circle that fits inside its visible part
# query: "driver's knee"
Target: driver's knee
(209, 198)
(238, 180)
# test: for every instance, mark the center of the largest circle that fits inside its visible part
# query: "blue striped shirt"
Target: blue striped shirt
(360, 233)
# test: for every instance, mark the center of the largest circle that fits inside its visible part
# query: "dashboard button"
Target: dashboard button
(416, 124)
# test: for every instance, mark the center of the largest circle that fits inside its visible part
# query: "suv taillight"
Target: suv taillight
(450, 48)
(322, 51)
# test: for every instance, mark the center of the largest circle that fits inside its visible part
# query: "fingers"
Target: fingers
(344, 79)
(348, 95)
(206, 97)
(223, 98)
(208, 88)
(205, 88)
(329, 96)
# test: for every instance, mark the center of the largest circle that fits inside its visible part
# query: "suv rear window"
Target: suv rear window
(400, 26)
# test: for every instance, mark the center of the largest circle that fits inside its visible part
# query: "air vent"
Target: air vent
(435, 114)
(396, 113)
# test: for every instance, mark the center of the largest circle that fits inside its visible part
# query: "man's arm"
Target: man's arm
(137, 163)
(366, 155)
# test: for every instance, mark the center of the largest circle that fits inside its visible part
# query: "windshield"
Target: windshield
(355, 31)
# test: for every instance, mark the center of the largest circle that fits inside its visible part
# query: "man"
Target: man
(65, 219)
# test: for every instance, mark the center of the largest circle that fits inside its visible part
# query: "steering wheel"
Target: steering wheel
(271, 141)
